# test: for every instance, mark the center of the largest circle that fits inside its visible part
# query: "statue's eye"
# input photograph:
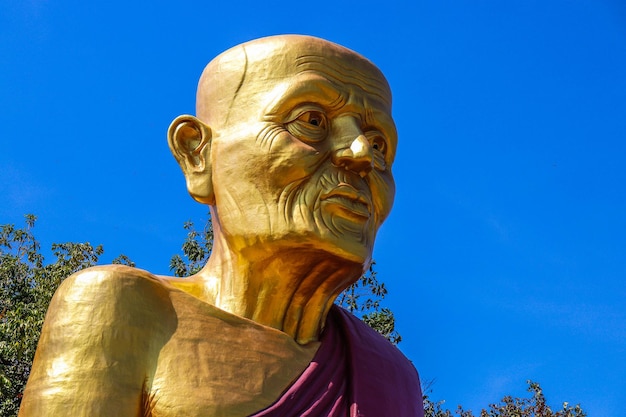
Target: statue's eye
(309, 126)
(315, 118)
(379, 145)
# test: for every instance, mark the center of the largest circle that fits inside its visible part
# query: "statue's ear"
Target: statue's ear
(190, 142)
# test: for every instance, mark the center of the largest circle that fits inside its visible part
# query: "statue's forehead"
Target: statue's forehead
(351, 74)
(277, 63)
(252, 72)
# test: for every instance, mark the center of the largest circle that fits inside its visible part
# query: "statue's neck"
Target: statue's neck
(291, 291)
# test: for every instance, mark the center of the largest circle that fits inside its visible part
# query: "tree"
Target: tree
(363, 299)
(27, 284)
(196, 249)
(535, 406)
(26, 287)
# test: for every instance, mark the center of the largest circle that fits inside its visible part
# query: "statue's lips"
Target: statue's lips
(348, 198)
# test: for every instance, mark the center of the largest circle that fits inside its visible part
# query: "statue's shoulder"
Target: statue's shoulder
(102, 334)
(110, 279)
(95, 304)
(116, 289)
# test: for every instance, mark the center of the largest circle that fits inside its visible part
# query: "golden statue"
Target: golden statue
(292, 148)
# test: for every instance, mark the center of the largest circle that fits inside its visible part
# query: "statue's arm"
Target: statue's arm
(99, 343)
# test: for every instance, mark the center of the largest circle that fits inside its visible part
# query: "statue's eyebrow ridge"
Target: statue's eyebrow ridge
(317, 90)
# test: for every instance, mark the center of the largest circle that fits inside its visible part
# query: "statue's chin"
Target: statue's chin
(347, 248)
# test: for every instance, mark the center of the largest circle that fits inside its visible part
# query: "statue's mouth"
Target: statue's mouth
(349, 199)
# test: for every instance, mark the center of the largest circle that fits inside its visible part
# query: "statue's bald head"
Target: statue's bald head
(239, 74)
(288, 122)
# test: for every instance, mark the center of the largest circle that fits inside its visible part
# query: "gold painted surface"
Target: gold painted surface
(292, 149)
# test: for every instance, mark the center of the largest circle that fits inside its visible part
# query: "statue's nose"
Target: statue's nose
(358, 157)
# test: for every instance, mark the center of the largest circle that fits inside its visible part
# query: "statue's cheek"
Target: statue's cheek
(291, 160)
(383, 192)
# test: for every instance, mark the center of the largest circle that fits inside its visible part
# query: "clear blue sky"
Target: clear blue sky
(505, 254)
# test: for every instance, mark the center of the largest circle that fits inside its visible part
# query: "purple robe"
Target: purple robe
(355, 373)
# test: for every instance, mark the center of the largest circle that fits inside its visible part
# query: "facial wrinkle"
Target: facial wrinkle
(287, 198)
(359, 184)
(312, 206)
(314, 91)
(362, 187)
(338, 103)
(344, 74)
(348, 80)
(369, 116)
(322, 224)
(320, 221)
(338, 68)
(301, 203)
(268, 134)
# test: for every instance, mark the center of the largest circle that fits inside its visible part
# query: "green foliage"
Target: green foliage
(196, 249)
(535, 406)
(27, 285)
(123, 260)
(26, 288)
(363, 299)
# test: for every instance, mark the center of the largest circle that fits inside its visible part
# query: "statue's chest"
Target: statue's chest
(193, 378)
(216, 367)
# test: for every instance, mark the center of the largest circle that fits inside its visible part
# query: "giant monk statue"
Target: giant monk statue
(292, 148)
